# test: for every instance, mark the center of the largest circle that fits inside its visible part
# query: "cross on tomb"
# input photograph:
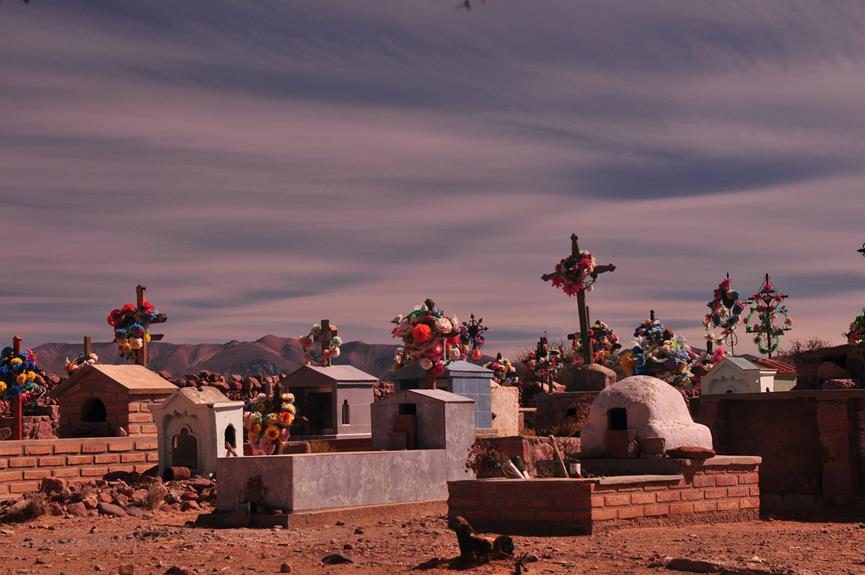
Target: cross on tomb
(578, 335)
(585, 336)
(140, 298)
(325, 337)
(88, 347)
(15, 404)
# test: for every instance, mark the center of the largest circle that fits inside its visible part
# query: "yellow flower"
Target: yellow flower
(627, 363)
(272, 432)
(31, 376)
(289, 407)
(21, 379)
(2, 386)
(16, 361)
(147, 337)
(286, 418)
(255, 430)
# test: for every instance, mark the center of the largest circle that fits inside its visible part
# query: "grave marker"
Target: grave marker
(140, 313)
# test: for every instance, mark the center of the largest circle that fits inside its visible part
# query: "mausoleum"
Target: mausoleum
(332, 401)
(738, 375)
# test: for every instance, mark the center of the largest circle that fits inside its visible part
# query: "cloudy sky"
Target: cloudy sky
(260, 165)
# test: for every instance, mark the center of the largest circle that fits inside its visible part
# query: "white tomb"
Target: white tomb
(195, 426)
(648, 406)
(738, 375)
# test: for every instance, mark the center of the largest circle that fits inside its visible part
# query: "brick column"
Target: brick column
(836, 428)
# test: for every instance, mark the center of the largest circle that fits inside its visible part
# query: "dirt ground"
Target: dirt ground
(152, 544)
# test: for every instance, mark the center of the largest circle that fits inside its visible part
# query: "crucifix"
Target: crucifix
(15, 404)
(325, 337)
(585, 336)
(140, 298)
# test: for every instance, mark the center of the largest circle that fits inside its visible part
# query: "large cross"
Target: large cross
(140, 298)
(15, 404)
(585, 335)
(579, 335)
(324, 337)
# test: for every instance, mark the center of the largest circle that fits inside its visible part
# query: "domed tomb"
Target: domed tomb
(636, 411)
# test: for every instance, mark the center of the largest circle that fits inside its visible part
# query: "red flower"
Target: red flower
(438, 369)
(421, 333)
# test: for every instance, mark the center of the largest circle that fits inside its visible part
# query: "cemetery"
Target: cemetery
(572, 441)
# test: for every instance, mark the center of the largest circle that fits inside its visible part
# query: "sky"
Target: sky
(261, 165)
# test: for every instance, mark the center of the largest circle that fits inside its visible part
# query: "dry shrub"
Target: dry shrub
(156, 494)
(319, 446)
(485, 460)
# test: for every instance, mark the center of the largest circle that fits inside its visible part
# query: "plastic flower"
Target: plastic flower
(286, 418)
(272, 433)
(421, 333)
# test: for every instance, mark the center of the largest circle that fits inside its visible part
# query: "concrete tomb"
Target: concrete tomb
(99, 400)
(640, 414)
(332, 401)
(738, 375)
(197, 425)
(460, 377)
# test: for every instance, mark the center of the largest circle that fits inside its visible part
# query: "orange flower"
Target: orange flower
(421, 333)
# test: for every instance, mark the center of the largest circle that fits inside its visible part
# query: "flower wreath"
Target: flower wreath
(429, 337)
(19, 375)
(472, 337)
(574, 273)
(660, 353)
(313, 355)
(725, 312)
(856, 334)
(129, 333)
(767, 328)
(268, 432)
(504, 372)
(544, 361)
(73, 365)
(604, 344)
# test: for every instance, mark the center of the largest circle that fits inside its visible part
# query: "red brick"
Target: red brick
(740, 491)
(134, 407)
(619, 499)
(753, 490)
(726, 480)
(630, 512)
(704, 480)
(603, 514)
(123, 468)
(667, 496)
(655, 510)
(4, 489)
(140, 418)
(701, 506)
(141, 468)
(691, 494)
(681, 508)
(145, 444)
(52, 461)
(107, 458)
(597, 501)
(22, 462)
(10, 449)
(134, 429)
(37, 450)
(153, 457)
(4, 463)
(79, 459)
(24, 487)
(93, 471)
(67, 448)
(36, 473)
(94, 448)
(66, 472)
(642, 498)
(120, 446)
(728, 505)
(749, 503)
(148, 429)
(715, 493)
(749, 478)
(11, 476)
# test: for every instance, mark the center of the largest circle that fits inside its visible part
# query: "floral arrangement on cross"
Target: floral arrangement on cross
(430, 338)
(73, 365)
(19, 374)
(772, 319)
(575, 274)
(472, 336)
(131, 325)
(544, 362)
(659, 352)
(604, 343)
(325, 334)
(267, 425)
(725, 311)
(856, 334)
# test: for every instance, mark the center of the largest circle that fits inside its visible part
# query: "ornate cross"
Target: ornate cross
(140, 298)
(585, 336)
(324, 337)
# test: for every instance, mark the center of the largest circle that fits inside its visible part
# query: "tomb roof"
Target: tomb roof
(134, 378)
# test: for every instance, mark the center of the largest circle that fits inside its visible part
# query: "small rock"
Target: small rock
(76, 509)
(190, 505)
(56, 509)
(358, 531)
(177, 570)
(135, 512)
(336, 559)
(91, 502)
(285, 568)
(348, 547)
(126, 570)
(340, 523)
(111, 509)
(53, 485)
(105, 498)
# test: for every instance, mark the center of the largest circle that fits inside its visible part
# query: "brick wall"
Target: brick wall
(23, 464)
(576, 506)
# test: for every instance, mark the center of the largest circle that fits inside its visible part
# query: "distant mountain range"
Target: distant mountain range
(269, 355)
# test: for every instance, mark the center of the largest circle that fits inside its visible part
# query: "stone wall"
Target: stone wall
(23, 464)
(812, 444)
(719, 487)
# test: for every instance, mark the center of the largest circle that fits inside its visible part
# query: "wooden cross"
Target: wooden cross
(15, 404)
(88, 347)
(140, 298)
(325, 337)
(579, 335)
(585, 337)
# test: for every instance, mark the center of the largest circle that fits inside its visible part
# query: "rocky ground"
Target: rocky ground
(157, 541)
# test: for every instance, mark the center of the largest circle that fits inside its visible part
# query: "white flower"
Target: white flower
(136, 343)
(404, 328)
(426, 364)
(334, 352)
(456, 323)
(443, 325)
(316, 329)
(454, 353)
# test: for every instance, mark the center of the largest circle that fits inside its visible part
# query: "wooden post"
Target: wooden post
(88, 347)
(15, 404)
(141, 353)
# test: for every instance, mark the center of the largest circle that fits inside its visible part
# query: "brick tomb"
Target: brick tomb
(670, 491)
